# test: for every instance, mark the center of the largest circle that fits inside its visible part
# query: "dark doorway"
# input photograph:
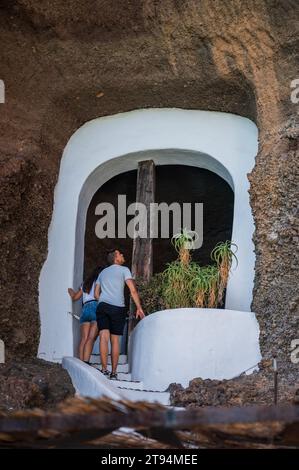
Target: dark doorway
(174, 183)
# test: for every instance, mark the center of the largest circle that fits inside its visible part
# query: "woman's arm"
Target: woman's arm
(97, 291)
(75, 295)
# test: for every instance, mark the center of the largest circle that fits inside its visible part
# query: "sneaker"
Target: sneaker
(105, 372)
(113, 376)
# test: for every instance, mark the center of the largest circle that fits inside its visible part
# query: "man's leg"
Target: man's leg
(118, 320)
(104, 341)
(114, 352)
(104, 329)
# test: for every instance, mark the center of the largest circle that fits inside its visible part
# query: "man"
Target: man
(111, 310)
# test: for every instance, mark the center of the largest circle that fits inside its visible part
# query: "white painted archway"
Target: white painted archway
(223, 143)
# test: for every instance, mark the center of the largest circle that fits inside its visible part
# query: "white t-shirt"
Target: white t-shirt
(88, 296)
(112, 282)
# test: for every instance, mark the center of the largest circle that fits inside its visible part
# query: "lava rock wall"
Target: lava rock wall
(65, 63)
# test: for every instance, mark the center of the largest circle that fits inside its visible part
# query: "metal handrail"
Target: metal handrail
(74, 315)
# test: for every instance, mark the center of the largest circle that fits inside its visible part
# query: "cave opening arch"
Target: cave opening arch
(222, 143)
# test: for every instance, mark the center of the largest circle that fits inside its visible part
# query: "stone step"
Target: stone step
(121, 368)
(134, 390)
(143, 395)
(96, 359)
(124, 376)
(127, 384)
(89, 382)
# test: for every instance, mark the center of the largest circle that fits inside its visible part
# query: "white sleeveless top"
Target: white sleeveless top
(87, 297)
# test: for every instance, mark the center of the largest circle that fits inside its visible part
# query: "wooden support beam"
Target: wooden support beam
(80, 421)
(142, 256)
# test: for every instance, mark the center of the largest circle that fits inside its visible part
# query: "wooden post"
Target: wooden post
(142, 256)
(2, 352)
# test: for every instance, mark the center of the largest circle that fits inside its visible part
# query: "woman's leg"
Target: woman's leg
(85, 327)
(93, 333)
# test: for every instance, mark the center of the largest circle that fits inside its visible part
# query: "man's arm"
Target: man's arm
(97, 291)
(133, 291)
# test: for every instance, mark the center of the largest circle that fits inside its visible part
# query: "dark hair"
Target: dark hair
(111, 256)
(87, 284)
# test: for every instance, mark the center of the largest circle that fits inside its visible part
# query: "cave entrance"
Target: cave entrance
(214, 145)
(174, 183)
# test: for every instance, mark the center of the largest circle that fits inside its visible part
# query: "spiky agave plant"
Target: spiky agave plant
(183, 243)
(213, 278)
(205, 286)
(177, 277)
(177, 289)
(185, 283)
(223, 254)
(200, 287)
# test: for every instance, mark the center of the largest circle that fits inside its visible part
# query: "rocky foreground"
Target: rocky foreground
(254, 389)
(33, 383)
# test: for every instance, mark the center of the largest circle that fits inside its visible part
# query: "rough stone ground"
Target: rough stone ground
(33, 383)
(254, 389)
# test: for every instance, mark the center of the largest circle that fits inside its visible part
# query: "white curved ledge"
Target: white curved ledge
(180, 344)
(89, 382)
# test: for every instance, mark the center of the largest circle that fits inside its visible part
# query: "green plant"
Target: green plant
(205, 286)
(151, 294)
(224, 255)
(177, 284)
(178, 275)
(183, 242)
(200, 288)
(186, 284)
(213, 282)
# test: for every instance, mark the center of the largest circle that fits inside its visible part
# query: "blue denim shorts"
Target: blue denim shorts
(89, 312)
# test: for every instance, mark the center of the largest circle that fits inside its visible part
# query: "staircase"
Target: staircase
(133, 390)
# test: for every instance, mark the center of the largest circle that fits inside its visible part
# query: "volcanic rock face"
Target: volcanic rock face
(254, 389)
(33, 383)
(64, 63)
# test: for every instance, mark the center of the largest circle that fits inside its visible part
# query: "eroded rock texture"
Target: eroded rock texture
(57, 58)
(33, 383)
(255, 389)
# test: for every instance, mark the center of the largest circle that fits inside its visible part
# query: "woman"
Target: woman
(88, 319)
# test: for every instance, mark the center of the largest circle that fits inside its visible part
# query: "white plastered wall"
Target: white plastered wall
(180, 344)
(223, 143)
